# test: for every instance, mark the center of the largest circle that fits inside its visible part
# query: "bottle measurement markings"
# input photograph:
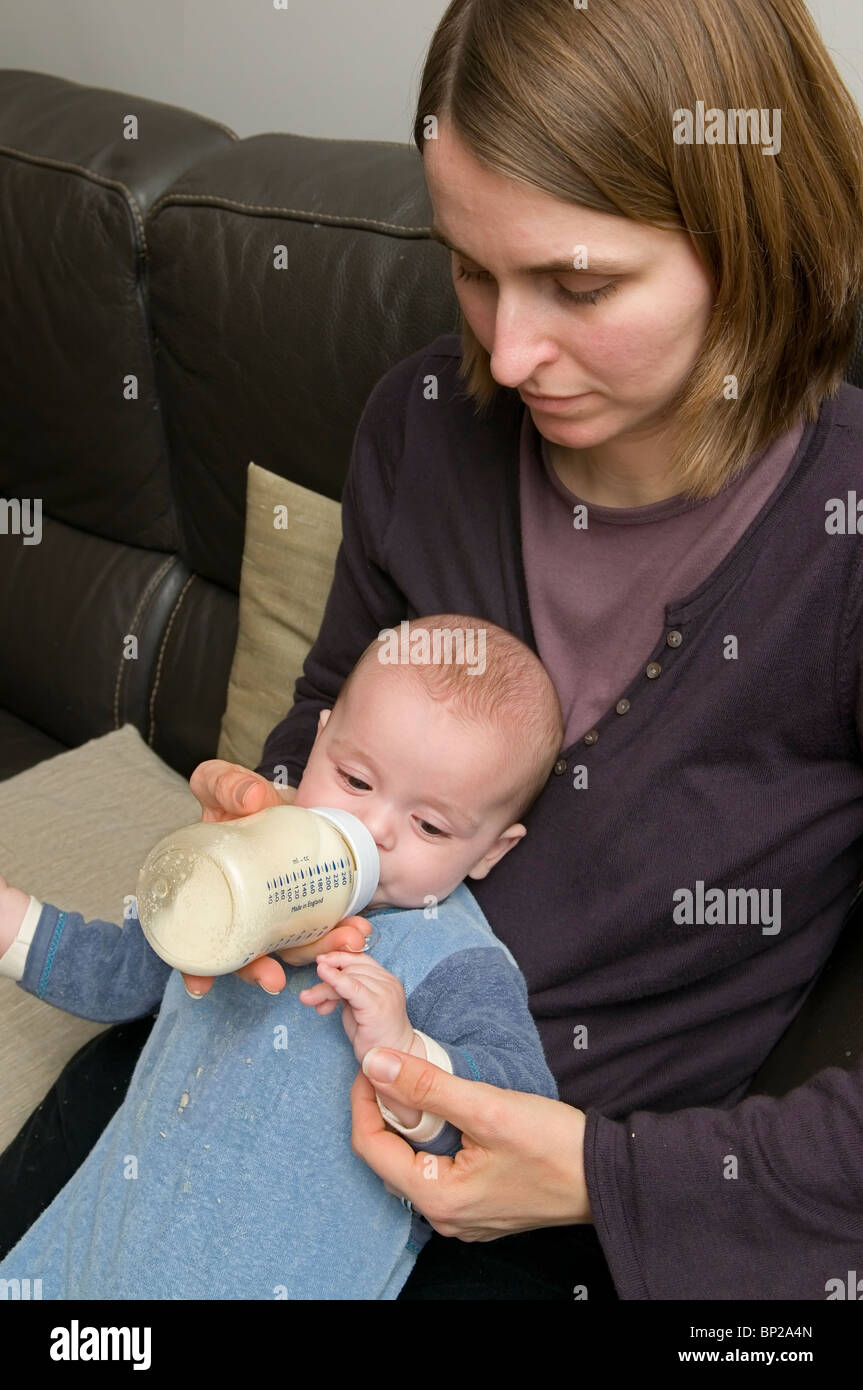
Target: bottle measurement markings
(316, 878)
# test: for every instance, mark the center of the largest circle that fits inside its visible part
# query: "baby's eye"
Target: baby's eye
(353, 781)
(434, 830)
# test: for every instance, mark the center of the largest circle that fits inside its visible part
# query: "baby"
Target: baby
(227, 1172)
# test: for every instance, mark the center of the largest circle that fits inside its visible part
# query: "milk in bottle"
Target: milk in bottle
(213, 895)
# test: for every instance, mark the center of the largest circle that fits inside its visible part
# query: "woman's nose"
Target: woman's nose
(513, 358)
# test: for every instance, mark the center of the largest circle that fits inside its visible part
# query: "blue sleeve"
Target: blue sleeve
(474, 1003)
(96, 969)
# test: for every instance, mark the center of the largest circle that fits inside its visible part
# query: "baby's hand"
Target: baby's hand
(373, 1000)
(373, 1010)
(13, 905)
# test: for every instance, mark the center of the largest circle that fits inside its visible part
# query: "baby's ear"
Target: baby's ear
(506, 841)
(323, 718)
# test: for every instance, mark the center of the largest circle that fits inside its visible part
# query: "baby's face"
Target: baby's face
(431, 790)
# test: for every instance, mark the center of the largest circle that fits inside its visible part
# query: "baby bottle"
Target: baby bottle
(213, 895)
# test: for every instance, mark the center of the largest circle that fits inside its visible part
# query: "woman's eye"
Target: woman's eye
(573, 296)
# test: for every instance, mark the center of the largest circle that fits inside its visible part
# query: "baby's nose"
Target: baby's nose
(385, 841)
(382, 827)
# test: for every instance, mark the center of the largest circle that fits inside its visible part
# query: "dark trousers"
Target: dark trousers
(545, 1264)
(55, 1140)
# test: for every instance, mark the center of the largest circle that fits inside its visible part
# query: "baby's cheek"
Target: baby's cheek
(441, 868)
(412, 874)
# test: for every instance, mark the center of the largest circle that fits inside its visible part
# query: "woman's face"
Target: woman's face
(626, 355)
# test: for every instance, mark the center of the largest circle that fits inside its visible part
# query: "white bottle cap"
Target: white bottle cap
(364, 850)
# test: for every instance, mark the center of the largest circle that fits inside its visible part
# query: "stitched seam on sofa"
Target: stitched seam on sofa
(49, 959)
(114, 184)
(307, 214)
(162, 647)
(121, 665)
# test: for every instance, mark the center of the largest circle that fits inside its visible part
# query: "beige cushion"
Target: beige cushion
(74, 830)
(284, 584)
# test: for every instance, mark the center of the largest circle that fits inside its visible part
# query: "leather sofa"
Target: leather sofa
(178, 301)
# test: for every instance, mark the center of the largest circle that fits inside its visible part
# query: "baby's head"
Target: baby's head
(441, 737)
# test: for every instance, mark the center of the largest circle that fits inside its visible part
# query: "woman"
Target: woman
(627, 461)
(684, 592)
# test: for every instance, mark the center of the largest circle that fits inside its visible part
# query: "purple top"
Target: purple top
(598, 578)
(730, 761)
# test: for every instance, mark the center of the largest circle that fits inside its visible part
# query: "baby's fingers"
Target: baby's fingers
(349, 985)
(318, 994)
(349, 936)
(354, 962)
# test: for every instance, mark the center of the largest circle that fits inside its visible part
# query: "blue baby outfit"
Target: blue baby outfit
(227, 1172)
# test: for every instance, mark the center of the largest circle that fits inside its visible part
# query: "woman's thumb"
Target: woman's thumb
(422, 1085)
(382, 1066)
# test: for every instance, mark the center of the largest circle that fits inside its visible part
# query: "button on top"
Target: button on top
(652, 670)
(622, 706)
(559, 767)
(591, 737)
(674, 638)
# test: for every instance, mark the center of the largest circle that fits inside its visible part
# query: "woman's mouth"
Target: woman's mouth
(553, 405)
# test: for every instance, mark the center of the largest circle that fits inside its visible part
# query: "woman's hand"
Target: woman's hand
(227, 791)
(521, 1167)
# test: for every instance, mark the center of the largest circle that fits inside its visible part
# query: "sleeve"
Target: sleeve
(362, 599)
(473, 1008)
(761, 1200)
(97, 970)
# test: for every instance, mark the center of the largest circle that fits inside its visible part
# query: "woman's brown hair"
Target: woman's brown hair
(580, 102)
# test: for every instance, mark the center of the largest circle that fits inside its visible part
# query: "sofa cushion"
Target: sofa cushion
(74, 830)
(289, 553)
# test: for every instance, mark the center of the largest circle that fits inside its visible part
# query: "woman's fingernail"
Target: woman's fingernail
(380, 1065)
(268, 991)
(242, 789)
(192, 993)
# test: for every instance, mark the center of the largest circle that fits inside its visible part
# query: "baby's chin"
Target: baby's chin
(381, 899)
(393, 898)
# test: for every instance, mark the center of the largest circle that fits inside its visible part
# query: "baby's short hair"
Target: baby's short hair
(511, 690)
